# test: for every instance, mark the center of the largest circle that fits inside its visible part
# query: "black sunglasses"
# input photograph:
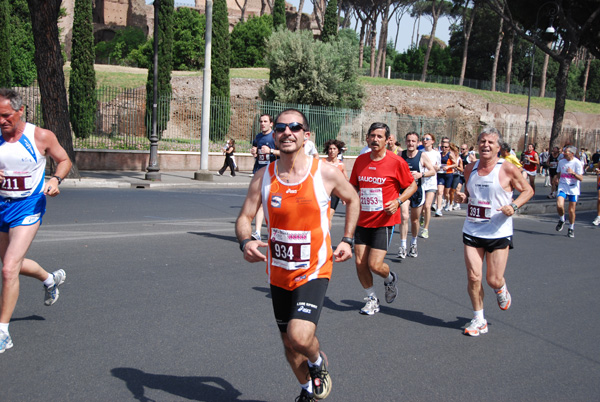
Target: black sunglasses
(294, 127)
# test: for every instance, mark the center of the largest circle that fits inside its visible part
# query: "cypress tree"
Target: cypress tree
(5, 71)
(165, 66)
(331, 22)
(82, 82)
(220, 110)
(22, 65)
(279, 14)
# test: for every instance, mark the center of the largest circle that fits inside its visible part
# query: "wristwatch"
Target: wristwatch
(243, 244)
(60, 179)
(348, 240)
(514, 206)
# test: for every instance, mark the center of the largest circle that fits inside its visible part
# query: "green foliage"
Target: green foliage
(220, 63)
(330, 22)
(440, 61)
(248, 41)
(82, 81)
(165, 66)
(188, 39)
(142, 56)
(410, 61)
(125, 41)
(24, 71)
(5, 71)
(593, 84)
(279, 14)
(312, 72)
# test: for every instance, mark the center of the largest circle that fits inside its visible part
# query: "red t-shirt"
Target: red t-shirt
(379, 182)
(527, 165)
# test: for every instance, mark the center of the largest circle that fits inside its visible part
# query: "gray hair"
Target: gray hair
(489, 130)
(572, 149)
(16, 102)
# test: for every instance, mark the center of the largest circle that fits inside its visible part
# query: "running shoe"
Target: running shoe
(320, 378)
(424, 233)
(457, 207)
(256, 236)
(447, 208)
(391, 289)
(560, 225)
(596, 221)
(476, 326)
(413, 251)
(305, 396)
(401, 252)
(51, 293)
(371, 307)
(438, 212)
(503, 299)
(571, 233)
(5, 341)
(434, 207)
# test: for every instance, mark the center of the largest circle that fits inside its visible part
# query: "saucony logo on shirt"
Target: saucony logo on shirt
(371, 179)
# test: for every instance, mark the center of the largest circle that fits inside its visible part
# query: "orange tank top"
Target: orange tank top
(297, 216)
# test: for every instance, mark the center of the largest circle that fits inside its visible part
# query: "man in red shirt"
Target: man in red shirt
(531, 161)
(378, 176)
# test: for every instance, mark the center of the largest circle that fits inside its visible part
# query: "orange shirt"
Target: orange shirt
(297, 216)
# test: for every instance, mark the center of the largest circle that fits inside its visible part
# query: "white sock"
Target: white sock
(478, 314)
(308, 386)
(389, 279)
(562, 218)
(413, 241)
(49, 281)
(4, 327)
(370, 292)
(572, 226)
(317, 363)
(403, 243)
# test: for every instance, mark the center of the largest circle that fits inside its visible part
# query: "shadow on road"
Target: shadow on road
(209, 389)
(29, 318)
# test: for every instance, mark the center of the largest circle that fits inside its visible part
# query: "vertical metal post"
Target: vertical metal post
(203, 173)
(530, 85)
(153, 167)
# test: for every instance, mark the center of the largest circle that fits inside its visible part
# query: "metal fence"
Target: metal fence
(121, 123)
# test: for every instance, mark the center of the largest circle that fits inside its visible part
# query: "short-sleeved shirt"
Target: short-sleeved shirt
(379, 182)
(568, 184)
(260, 140)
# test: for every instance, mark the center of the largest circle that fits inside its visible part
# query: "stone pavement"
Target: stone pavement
(540, 204)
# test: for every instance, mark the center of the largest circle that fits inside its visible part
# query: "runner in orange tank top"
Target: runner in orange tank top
(294, 193)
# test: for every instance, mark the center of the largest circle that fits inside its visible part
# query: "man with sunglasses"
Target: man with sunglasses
(295, 194)
(378, 176)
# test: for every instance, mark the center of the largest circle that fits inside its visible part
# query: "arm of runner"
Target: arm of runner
(243, 224)
(427, 165)
(391, 207)
(463, 198)
(576, 175)
(519, 183)
(48, 144)
(336, 181)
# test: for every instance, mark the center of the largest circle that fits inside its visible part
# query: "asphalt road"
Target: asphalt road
(159, 305)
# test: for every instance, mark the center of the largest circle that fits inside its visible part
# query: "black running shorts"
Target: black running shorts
(303, 303)
(488, 245)
(377, 238)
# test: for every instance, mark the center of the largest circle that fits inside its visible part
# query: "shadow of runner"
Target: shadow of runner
(208, 389)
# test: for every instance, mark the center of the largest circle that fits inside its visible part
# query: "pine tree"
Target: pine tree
(82, 81)
(279, 14)
(220, 110)
(165, 66)
(5, 71)
(331, 22)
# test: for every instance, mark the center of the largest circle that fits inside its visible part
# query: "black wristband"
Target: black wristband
(243, 244)
(348, 240)
(58, 178)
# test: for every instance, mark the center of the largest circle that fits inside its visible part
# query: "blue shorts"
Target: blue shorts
(21, 211)
(445, 179)
(570, 198)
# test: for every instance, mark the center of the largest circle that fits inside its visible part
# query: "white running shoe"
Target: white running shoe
(401, 252)
(457, 207)
(438, 212)
(256, 236)
(503, 299)
(5, 341)
(424, 234)
(476, 326)
(596, 221)
(371, 307)
(51, 293)
(413, 251)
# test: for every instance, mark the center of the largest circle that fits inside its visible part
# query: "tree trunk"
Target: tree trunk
(435, 13)
(299, 16)
(586, 75)
(385, 17)
(497, 53)
(467, 27)
(242, 9)
(559, 104)
(373, 44)
(361, 44)
(51, 78)
(544, 73)
(511, 43)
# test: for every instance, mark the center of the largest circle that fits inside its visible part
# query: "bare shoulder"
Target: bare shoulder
(44, 138)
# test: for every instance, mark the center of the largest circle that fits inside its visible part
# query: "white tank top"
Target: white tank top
(486, 195)
(23, 166)
(430, 182)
